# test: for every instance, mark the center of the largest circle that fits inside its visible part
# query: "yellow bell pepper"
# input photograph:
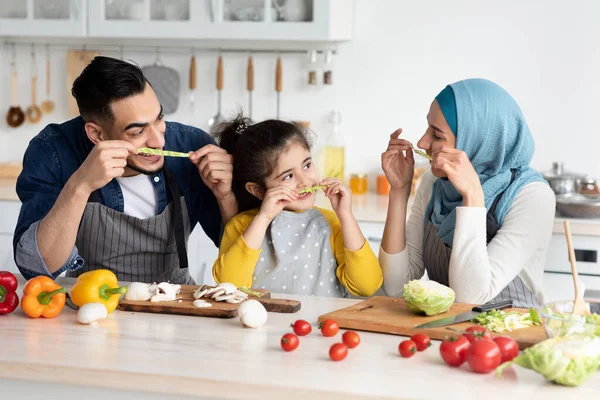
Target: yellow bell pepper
(99, 286)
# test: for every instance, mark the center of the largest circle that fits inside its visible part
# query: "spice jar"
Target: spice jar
(312, 74)
(359, 183)
(383, 185)
(327, 75)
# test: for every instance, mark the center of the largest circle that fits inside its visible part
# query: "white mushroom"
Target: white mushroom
(252, 314)
(228, 286)
(201, 291)
(217, 293)
(140, 291)
(201, 304)
(165, 292)
(91, 313)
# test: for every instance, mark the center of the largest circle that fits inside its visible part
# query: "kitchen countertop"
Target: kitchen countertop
(137, 353)
(370, 207)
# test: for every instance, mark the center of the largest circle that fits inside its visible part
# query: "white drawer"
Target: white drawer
(559, 286)
(373, 232)
(587, 254)
(9, 213)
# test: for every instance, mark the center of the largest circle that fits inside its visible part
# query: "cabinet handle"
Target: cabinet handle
(374, 239)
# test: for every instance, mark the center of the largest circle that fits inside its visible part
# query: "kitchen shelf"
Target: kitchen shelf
(275, 21)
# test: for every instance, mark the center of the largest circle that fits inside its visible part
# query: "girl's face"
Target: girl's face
(296, 170)
(438, 134)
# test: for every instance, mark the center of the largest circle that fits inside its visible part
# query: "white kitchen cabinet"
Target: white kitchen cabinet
(42, 18)
(9, 213)
(273, 20)
(202, 254)
(559, 286)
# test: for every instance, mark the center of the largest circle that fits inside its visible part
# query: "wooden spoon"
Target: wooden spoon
(47, 105)
(579, 304)
(15, 116)
(278, 84)
(250, 85)
(33, 112)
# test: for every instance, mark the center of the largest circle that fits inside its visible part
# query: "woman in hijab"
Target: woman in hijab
(482, 218)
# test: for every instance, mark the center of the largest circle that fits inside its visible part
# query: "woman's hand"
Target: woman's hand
(457, 166)
(339, 196)
(398, 168)
(275, 200)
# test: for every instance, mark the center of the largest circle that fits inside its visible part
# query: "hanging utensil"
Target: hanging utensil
(33, 112)
(15, 116)
(579, 304)
(47, 105)
(192, 81)
(250, 85)
(278, 84)
(217, 119)
(165, 82)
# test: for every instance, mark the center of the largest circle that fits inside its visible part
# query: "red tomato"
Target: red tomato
(454, 350)
(422, 341)
(329, 327)
(338, 351)
(508, 347)
(484, 356)
(407, 348)
(351, 339)
(301, 327)
(476, 332)
(289, 342)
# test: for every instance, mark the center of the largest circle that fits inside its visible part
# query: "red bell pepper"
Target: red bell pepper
(9, 300)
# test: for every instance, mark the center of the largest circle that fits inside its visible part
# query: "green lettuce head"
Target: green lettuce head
(429, 297)
(566, 360)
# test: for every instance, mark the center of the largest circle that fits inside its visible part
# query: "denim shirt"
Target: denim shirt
(60, 149)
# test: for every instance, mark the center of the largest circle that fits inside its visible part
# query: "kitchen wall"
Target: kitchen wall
(404, 52)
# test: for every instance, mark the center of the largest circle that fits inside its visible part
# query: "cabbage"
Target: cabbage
(499, 321)
(566, 360)
(429, 297)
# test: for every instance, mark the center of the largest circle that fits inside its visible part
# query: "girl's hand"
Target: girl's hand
(339, 196)
(398, 168)
(457, 166)
(275, 200)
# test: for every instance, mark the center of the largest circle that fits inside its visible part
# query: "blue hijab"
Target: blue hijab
(491, 129)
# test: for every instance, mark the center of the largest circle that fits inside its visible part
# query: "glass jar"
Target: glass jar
(359, 183)
(383, 186)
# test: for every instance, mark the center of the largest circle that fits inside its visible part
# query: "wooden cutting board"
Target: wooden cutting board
(219, 309)
(390, 315)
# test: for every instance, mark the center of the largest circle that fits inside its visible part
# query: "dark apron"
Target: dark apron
(137, 250)
(436, 257)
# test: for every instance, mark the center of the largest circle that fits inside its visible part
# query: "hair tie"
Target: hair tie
(240, 128)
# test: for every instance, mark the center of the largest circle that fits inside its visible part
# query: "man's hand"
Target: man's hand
(106, 161)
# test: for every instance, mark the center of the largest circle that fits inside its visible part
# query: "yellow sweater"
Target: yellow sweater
(358, 271)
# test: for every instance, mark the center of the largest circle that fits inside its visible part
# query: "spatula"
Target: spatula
(579, 304)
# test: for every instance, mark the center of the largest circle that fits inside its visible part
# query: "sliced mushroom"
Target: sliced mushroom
(201, 303)
(165, 292)
(225, 297)
(218, 293)
(201, 291)
(228, 286)
(234, 300)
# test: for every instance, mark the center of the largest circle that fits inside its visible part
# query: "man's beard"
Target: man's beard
(143, 171)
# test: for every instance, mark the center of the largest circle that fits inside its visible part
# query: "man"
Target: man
(91, 201)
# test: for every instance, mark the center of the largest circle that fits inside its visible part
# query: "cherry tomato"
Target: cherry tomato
(508, 347)
(421, 340)
(289, 342)
(454, 350)
(484, 356)
(476, 332)
(329, 328)
(301, 327)
(338, 351)
(407, 348)
(351, 339)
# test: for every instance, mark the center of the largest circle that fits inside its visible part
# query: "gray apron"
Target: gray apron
(436, 257)
(136, 250)
(297, 257)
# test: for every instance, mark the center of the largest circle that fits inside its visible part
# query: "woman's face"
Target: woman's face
(438, 134)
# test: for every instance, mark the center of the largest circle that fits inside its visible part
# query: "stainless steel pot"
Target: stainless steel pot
(564, 182)
(575, 205)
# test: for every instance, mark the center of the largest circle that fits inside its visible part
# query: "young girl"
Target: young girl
(280, 241)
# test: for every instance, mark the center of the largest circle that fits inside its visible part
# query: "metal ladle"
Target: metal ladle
(214, 122)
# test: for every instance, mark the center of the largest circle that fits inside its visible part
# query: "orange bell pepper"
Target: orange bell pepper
(42, 297)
